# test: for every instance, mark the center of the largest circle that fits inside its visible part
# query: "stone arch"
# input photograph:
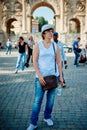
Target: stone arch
(37, 5)
(8, 25)
(42, 4)
(77, 24)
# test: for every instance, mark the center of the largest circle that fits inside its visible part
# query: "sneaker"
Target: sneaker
(76, 66)
(27, 65)
(16, 72)
(49, 122)
(32, 127)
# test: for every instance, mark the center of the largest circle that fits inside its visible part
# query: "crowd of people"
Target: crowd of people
(26, 52)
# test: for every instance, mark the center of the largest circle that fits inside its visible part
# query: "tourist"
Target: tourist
(30, 49)
(8, 47)
(62, 53)
(76, 50)
(0, 45)
(44, 64)
(86, 49)
(23, 50)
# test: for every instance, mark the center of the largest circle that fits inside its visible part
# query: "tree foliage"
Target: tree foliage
(41, 21)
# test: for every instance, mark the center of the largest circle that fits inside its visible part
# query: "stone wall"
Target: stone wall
(21, 12)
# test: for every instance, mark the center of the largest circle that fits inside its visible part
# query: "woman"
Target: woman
(44, 64)
(30, 49)
(22, 54)
(8, 47)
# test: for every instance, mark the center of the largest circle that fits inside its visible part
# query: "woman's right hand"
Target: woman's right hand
(41, 79)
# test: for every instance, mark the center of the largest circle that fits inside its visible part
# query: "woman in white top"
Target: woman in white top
(44, 64)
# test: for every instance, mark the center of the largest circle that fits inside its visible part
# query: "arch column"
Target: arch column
(57, 22)
(24, 16)
(62, 16)
(86, 21)
(86, 17)
(66, 24)
(82, 34)
(29, 23)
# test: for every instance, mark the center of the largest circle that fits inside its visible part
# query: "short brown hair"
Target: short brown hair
(21, 38)
(78, 38)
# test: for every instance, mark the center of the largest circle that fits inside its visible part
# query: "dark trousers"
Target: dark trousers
(76, 57)
(29, 54)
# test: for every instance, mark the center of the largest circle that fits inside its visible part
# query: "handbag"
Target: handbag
(78, 50)
(51, 80)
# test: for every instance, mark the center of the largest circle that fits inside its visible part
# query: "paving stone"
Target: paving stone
(17, 93)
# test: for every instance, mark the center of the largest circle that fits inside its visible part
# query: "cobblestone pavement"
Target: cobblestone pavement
(16, 96)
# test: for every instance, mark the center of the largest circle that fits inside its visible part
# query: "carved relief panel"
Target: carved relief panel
(80, 5)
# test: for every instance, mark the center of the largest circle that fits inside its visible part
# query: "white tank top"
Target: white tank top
(46, 60)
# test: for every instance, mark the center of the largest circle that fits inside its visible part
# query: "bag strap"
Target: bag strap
(55, 55)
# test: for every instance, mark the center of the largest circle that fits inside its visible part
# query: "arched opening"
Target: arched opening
(38, 6)
(42, 4)
(74, 26)
(10, 27)
(43, 15)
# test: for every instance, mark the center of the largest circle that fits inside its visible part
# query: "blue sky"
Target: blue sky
(45, 12)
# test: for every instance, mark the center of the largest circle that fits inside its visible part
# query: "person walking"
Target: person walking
(23, 49)
(76, 50)
(0, 45)
(62, 53)
(8, 47)
(44, 64)
(86, 50)
(30, 49)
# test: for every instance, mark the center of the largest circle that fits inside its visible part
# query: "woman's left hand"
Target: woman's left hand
(61, 81)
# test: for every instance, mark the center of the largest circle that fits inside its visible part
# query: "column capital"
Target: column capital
(23, 1)
(30, 16)
(56, 15)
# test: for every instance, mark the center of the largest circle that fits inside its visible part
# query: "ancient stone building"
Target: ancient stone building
(65, 13)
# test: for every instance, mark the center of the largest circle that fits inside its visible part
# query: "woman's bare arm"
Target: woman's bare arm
(58, 60)
(35, 63)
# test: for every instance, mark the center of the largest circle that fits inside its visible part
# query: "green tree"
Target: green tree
(41, 21)
(12, 29)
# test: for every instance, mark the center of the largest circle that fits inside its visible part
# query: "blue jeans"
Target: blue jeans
(21, 57)
(39, 94)
(76, 57)
(8, 50)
